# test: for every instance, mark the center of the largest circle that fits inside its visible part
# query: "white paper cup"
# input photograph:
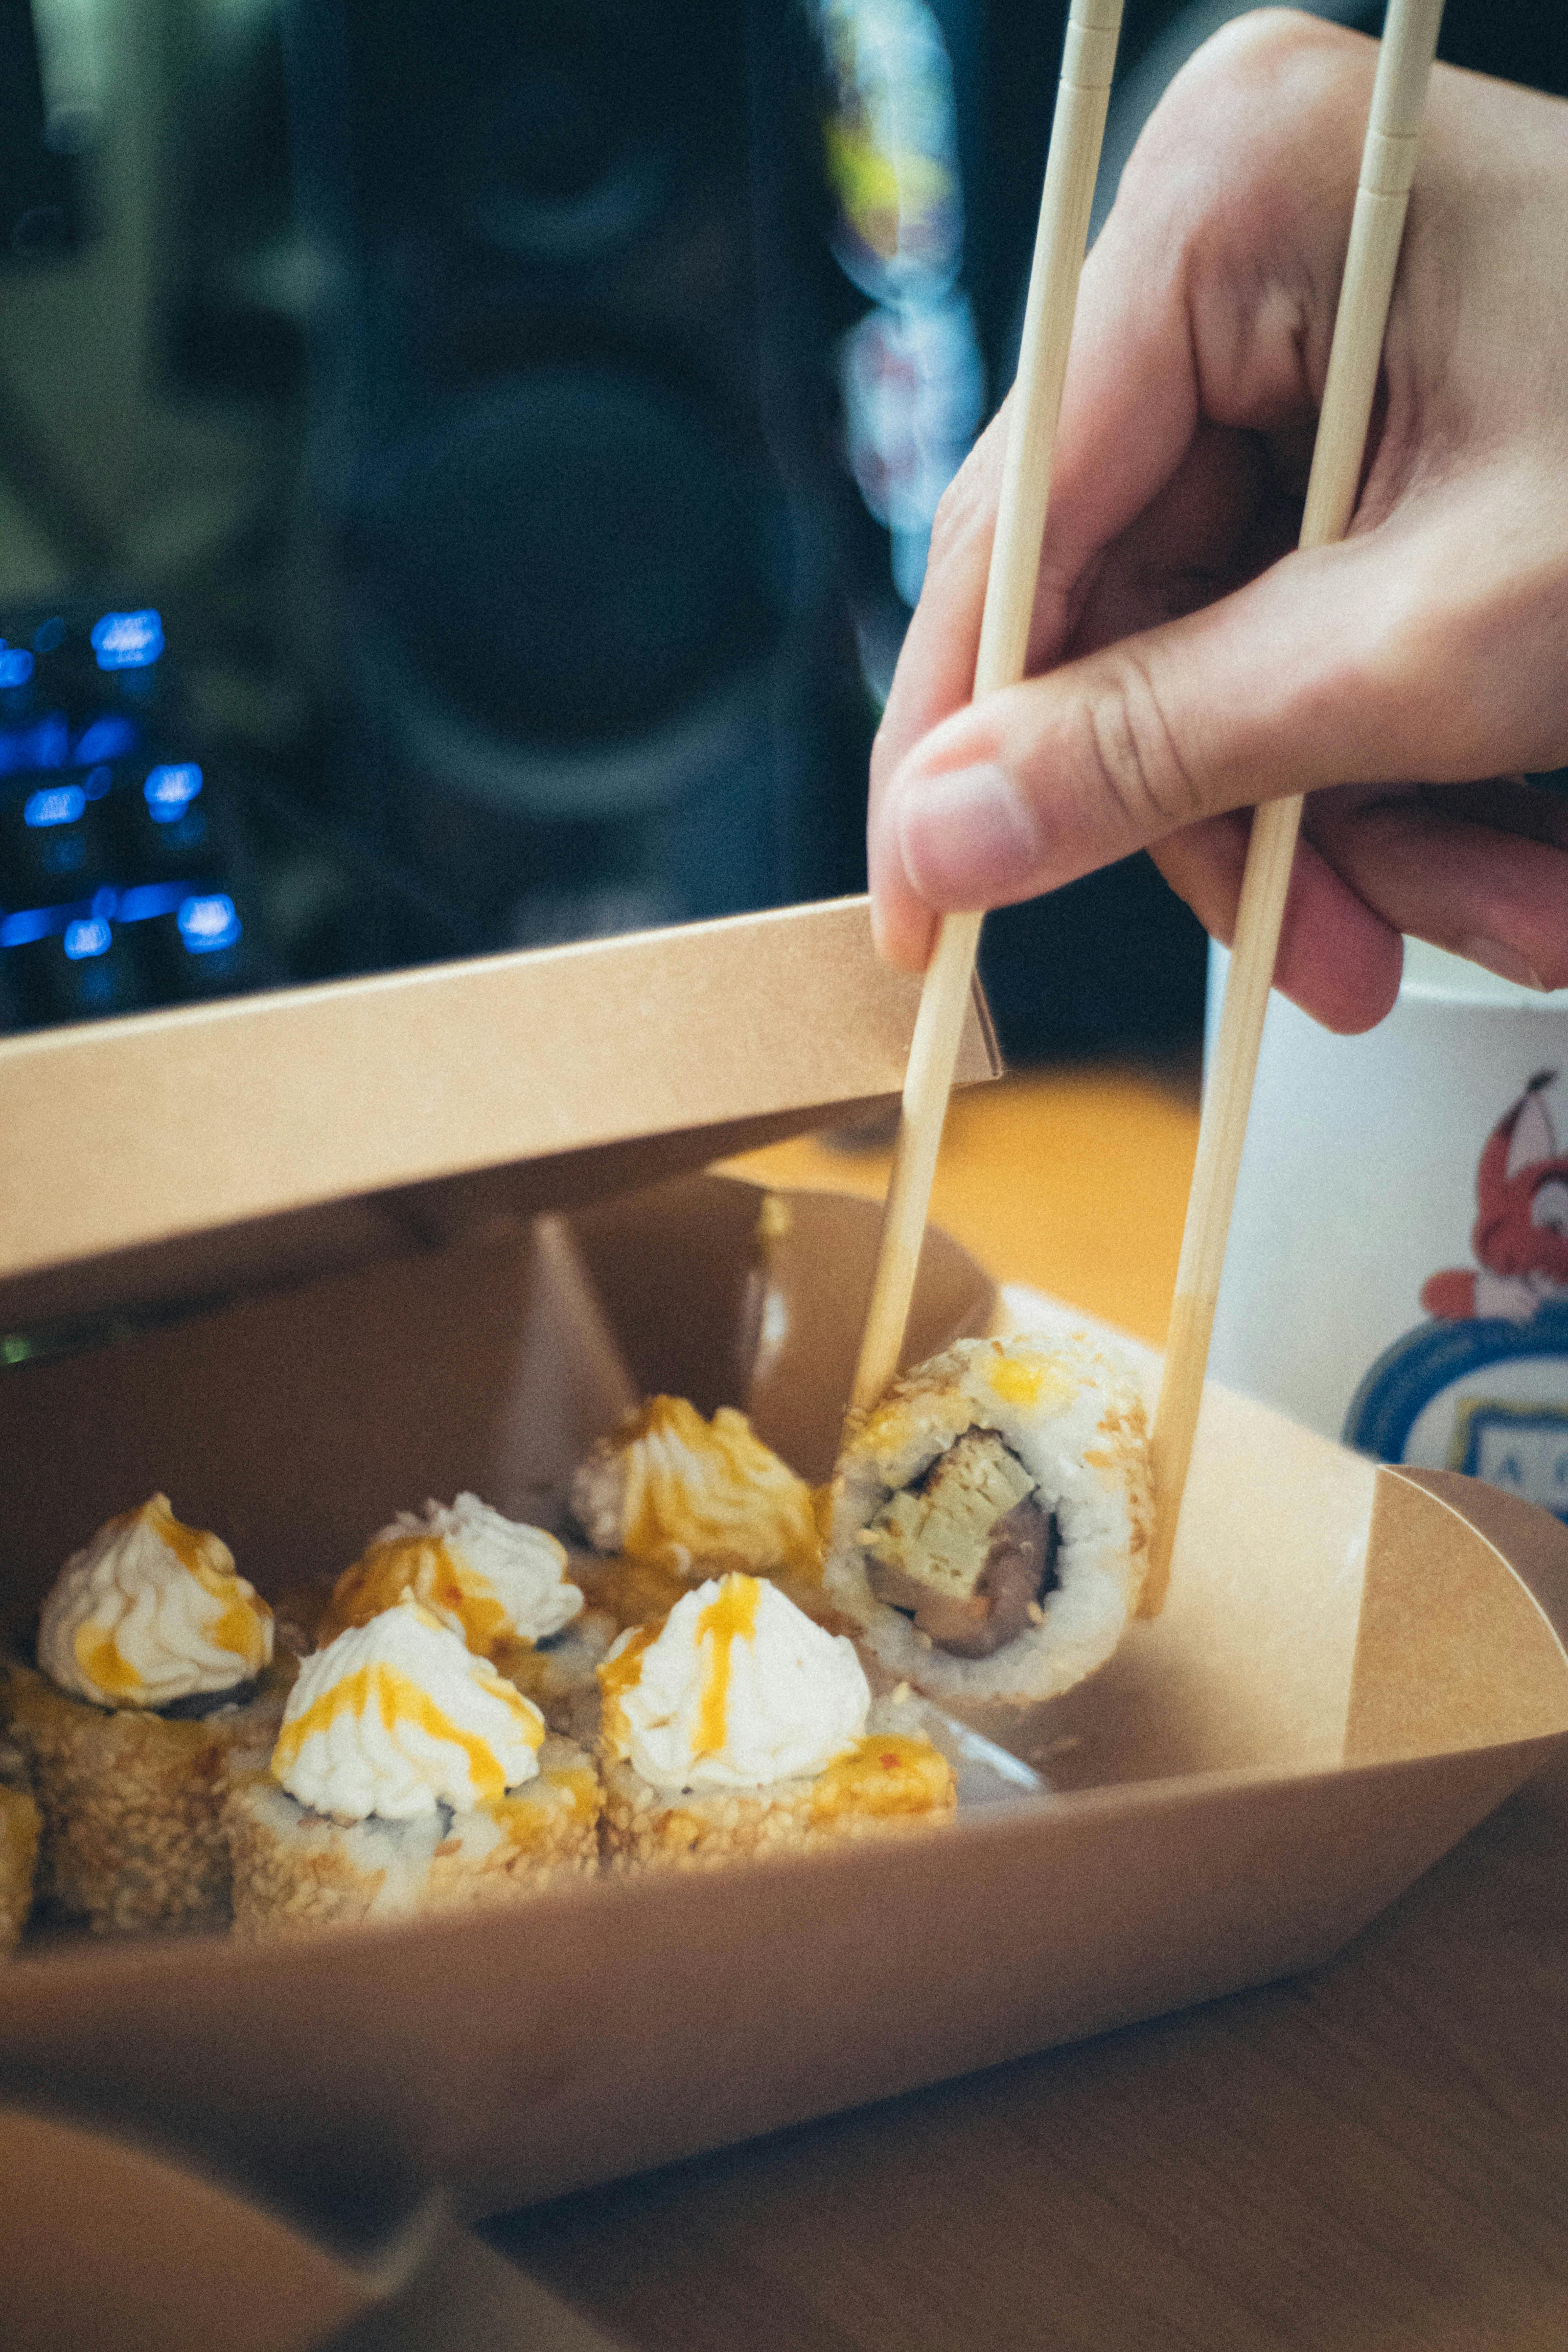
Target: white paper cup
(1397, 1275)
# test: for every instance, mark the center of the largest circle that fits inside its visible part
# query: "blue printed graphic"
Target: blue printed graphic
(1483, 1387)
(1461, 1391)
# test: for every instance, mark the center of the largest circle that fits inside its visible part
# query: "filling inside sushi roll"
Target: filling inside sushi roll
(991, 1519)
(967, 1549)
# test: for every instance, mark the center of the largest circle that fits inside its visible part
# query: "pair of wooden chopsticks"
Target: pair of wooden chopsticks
(1388, 162)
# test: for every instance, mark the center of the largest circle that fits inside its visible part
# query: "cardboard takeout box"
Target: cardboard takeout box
(1353, 1665)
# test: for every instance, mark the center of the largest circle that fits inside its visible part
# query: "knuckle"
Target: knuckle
(1132, 751)
(1221, 94)
(1252, 49)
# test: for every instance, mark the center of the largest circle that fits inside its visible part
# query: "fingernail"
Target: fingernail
(1507, 962)
(965, 834)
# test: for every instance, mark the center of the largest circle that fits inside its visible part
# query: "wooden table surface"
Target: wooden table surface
(1372, 2158)
(1073, 1180)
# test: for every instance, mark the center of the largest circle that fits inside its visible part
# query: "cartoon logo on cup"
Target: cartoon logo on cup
(1484, 1386)
(1521, 1237)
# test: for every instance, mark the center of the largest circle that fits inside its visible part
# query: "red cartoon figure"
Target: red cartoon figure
(1520, 1235)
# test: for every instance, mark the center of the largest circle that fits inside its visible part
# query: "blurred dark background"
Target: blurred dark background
(464, 469)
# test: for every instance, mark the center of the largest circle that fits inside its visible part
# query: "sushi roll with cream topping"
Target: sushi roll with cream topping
(408, 1776)
(499, 1584)
(155, 1670)
(676, 1491)
(737, 1726)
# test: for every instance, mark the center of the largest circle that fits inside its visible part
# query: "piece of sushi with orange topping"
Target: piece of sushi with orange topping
(737, 1726)
(671, 1498)
(503, 1586)
(153, 1671)
(408, 1776)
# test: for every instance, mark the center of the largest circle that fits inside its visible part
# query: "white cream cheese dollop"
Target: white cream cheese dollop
(150, 1611)
(489, 1578)
(737, 1689)
(400, 1716)
(670, 1487)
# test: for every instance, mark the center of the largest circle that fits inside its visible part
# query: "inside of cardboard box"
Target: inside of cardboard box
(1457, 1637)
(296, 1423)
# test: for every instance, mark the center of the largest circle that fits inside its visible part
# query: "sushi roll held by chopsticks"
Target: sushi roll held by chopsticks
(991, 1519)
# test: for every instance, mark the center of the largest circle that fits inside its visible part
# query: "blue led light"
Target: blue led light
(44, 744)
(95, 782)
(16, 665)
(106, 738)
(209, 923)
(150, 899)
(168, 792)
(36, 923)
(53, 804)
(49, 636)
(89, 935)
(127, 640)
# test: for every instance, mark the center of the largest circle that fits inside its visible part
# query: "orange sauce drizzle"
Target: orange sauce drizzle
(526, 1812)
(726, 1491)
(653, 1500)
(619, 1675)
(733, 1612)
(396, 1698)
(238, 1627)
(98, 1656)
(886, 1772)
(437, 1577)
(208, 1560)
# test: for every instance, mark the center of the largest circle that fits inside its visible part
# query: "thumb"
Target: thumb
(1305, 678)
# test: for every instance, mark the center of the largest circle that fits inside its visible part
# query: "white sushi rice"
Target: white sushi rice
(1073, 1415)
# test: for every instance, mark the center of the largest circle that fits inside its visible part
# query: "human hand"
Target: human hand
(1197, 662)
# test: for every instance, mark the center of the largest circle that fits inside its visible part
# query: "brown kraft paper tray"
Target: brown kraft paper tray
(1355, 1665)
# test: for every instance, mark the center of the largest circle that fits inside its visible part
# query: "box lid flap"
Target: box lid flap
(183, 1154)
